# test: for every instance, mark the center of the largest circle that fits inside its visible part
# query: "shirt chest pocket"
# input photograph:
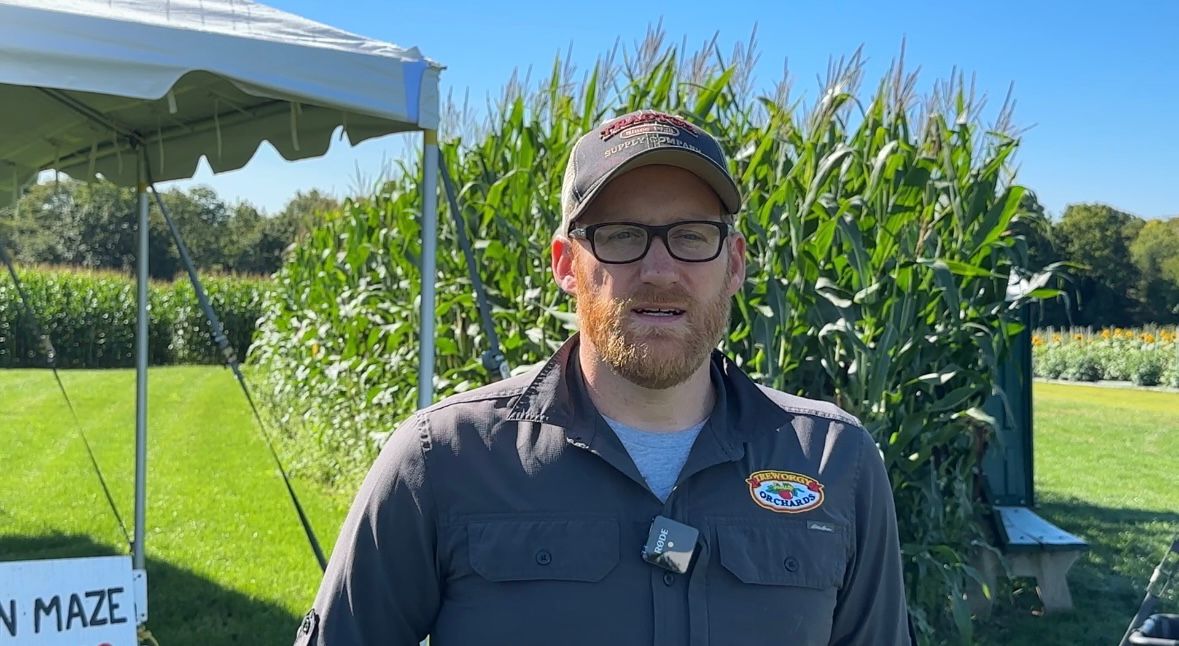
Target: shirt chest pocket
(538, 550)
(787, 554)
(776, 578)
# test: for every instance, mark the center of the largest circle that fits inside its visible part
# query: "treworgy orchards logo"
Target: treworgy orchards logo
(785, 492)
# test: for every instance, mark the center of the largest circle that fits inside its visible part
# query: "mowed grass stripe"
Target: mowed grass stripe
(45, 456)
(1115, 447)
(219, 522)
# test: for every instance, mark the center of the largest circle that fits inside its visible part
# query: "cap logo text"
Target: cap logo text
(649, 141)
(650, 129)
(646, 117)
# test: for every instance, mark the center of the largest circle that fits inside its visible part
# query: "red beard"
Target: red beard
(651, 357)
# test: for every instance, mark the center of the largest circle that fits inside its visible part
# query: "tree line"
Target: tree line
(1124, 268)
(94, 225)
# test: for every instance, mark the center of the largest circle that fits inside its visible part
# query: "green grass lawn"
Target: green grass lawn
(1106, 469)
(228, 563)
(227, 560)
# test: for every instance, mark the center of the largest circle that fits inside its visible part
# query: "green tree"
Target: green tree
(301, 213)
(252, 247)
(102, 226)
(86, 224)
(39, 226)
(1098, 238)
(1155, 253)
(203, 219)
(70, 222)
(275, 235)
(241, 246)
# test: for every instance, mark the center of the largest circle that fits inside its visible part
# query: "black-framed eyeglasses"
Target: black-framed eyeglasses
(617, 243)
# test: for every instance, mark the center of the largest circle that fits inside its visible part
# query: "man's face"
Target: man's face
(656, 320)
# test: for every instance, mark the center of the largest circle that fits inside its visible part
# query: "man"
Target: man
(638, 488)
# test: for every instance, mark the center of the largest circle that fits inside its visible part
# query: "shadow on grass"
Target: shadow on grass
(184, 609)
(1107, 583)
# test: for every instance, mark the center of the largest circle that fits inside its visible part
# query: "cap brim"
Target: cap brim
(695, 163)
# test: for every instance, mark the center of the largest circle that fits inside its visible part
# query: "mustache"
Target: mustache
(671, 295)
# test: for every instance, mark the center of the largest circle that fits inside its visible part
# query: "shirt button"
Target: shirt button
(668, 579)
(791, 564)
(543, 557)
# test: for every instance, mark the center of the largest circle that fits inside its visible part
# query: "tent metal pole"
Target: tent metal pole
(429, 265)
(141, 368)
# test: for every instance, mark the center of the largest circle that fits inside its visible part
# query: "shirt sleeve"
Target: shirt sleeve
(382, 582)
(871, 607)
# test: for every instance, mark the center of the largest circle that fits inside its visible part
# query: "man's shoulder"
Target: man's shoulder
(809, 407)
(475, 412)
(828, 428)
(503, 390)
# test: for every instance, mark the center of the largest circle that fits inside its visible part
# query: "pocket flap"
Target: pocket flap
(784, 554)
(527, 550)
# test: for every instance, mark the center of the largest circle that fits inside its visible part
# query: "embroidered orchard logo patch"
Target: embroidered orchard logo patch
(785, 492)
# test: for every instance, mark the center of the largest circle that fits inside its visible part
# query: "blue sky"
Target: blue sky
(1096, 83)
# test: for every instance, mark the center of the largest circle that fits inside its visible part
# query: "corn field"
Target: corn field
(89, 316)
(882, 230)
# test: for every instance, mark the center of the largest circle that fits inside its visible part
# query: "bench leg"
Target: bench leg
(1050, 570)
(989, 569)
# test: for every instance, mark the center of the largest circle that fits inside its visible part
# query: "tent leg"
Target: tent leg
(141, 397)
(429, 266)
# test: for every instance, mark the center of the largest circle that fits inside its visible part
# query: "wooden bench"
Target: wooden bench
(1036, 548)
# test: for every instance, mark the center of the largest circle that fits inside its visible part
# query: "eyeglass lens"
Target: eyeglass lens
(626, 242)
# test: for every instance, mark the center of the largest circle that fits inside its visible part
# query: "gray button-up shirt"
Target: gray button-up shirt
(513, 515)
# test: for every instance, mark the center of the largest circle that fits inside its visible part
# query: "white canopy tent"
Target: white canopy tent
(105, 87)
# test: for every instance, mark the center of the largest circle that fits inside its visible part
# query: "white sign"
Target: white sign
(68, 602)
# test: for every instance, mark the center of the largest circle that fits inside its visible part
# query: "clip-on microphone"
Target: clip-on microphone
(670, 545)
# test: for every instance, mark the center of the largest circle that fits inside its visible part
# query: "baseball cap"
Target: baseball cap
(642, 138)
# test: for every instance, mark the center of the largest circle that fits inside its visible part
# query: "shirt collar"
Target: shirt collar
(557, 395)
